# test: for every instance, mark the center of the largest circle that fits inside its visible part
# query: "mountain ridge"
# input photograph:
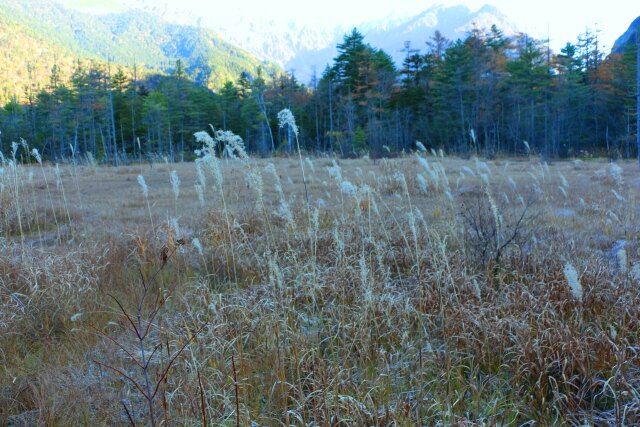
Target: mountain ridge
(302, 48)
(453, 22)
(627, 38)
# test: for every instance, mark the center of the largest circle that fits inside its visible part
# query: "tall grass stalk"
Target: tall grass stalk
(175, 186)
(38, 157)
(60, 186)
(286, 118)
(16, 195)
(209, 156)
(254, 180)
(145, 194)
(34, 197)
(412, 220)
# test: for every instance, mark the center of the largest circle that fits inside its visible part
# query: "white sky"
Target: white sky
(563, 20)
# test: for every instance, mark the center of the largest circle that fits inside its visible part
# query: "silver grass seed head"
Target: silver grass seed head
(143, 186)
(35, 153)
(348, 189)
(200, 193)
(175, 183)
(422, 184)
(196, 244)
(14, 149)
(58, 177)
(571, 275)
(286, 117)
(202, 180)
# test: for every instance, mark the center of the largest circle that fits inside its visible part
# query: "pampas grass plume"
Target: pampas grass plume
(35, 153)
(175, 183)
(196, 244)
(200, 193)
(285, 117)
(571, 275)
(143, 186)
(348, 189)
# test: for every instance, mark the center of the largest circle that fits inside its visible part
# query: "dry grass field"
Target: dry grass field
(422, 290)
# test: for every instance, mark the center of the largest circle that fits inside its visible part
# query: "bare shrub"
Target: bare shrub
(495, 225)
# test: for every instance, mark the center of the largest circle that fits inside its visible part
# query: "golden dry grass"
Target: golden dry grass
(387, 306)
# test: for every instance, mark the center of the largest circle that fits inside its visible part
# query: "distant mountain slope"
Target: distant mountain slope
(273, 40)
(390, 35)
(40, 33)
(303, 48)
(26, 59)
(629, 37)
(453, 22)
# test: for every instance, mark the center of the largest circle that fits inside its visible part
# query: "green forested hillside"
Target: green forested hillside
(26, 59)
(36, 34)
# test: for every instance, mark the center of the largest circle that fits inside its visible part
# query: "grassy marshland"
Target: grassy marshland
(422, 290)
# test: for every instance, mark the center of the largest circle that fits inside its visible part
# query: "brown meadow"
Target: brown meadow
(422, 290)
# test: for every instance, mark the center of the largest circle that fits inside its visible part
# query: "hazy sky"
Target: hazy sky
(564, 20)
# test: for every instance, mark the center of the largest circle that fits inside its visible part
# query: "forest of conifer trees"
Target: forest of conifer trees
(487, 94)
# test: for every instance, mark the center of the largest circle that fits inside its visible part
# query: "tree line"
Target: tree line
(487, 94)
